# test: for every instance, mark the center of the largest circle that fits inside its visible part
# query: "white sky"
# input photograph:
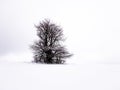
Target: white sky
(92, 28)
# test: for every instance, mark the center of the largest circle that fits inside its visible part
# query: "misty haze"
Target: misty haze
(92, 32)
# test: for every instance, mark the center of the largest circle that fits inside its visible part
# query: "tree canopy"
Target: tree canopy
(48, 48)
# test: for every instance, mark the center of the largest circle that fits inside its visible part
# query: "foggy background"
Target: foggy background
(92, 28)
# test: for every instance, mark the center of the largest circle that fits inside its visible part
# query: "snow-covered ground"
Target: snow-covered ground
(31, 76)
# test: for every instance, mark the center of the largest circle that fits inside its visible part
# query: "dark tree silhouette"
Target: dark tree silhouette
(48, 48)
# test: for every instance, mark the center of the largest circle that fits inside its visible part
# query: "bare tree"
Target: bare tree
(48, 48)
